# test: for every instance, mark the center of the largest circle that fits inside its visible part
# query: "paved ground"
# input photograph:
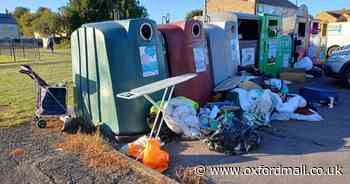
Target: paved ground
(293, 143)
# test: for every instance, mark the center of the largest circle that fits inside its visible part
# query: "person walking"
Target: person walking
(51, 43)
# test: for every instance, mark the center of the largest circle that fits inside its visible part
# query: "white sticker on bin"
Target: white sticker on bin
(149, 61)
(199, 59)
(248, 56)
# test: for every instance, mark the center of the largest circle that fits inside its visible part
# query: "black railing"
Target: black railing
(21, 49)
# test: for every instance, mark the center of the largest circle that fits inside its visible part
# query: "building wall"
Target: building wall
(324, 16)
(246, 6)
(8, 30)
(275, 10)
(347, 17)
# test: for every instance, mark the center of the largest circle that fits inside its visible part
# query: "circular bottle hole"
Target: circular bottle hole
(146, 31)
(196, 30)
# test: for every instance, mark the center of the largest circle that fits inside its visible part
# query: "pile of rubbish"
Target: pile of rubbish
(230, 124)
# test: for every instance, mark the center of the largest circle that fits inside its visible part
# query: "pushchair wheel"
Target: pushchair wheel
(40, 123)
(35, 119)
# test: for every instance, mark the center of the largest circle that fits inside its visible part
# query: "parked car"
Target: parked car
(338, 65)
(338, 35)
(346, 47)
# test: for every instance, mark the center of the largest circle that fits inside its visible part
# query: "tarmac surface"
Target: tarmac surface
(323, 144)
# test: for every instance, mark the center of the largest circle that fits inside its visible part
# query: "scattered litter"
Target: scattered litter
(285, 116)
(233, 138)
(278, 86)
(148, 150)
(228, 84)
(194, 104)
(214, 112)
(154, 157)
(257, 106)
(304, 63)
(182, 118)
(18, 152)
(320, 95)
(248, 85)
(235, 81)
(291, 105)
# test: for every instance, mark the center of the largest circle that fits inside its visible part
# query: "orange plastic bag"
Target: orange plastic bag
(154, 157)
(135, 151)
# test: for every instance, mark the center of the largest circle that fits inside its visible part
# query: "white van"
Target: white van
(338, 35)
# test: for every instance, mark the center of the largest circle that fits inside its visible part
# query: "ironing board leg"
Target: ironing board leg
(157, 116)
(164, 114)
(160, 109)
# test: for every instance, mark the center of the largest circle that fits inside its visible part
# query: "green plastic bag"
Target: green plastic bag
(155, 110)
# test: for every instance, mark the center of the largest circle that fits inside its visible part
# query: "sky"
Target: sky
(176, 8)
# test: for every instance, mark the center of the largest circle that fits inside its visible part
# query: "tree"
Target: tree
(20, 11)
(194, 13)
(130, 9)
(46, 22)
(344, 10)
(25, 24)
(79, 12)
(23, 18)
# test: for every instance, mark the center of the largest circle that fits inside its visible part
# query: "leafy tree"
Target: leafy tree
(20, 11)
(46, 22)
(78, 12)
(344, 10)
(194, 13)
(74, 14)
(25, 24)
(130, 9)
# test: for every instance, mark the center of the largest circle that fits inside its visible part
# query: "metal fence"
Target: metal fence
(20, 49)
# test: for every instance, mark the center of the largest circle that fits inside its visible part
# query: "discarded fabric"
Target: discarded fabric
(182, 117)
(257, 106)
(285, 116)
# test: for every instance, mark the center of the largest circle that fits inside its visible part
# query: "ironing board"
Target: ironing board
(146, 90)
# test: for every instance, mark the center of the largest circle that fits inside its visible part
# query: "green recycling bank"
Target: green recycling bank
(274, 48)
(112, 57)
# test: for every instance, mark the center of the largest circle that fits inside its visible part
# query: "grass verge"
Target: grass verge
(93, 151)
(17, 91)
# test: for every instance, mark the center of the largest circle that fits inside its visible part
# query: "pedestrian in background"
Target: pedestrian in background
(51, 43)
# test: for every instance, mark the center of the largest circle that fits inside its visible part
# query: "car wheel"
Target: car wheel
(332, 50)
(346, 77)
